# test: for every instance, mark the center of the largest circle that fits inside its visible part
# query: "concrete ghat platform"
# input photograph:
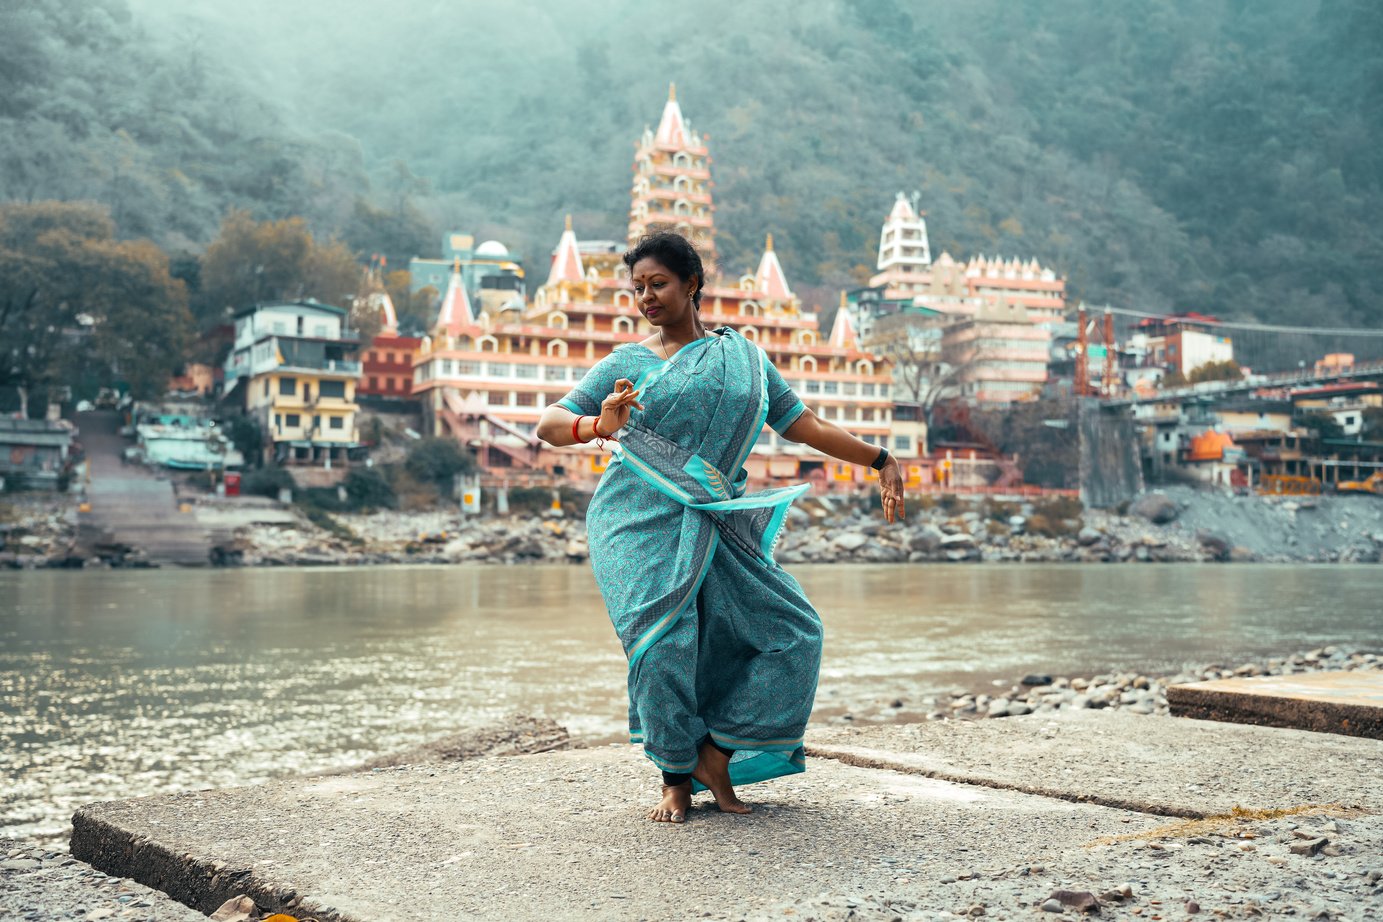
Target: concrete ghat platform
(1349, 703)
(562, 835)
(1166, 766)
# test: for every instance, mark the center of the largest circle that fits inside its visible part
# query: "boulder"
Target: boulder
(1216, 546)
(958, 541)
(850, 541)
(1158, 508)
(1088, 536)
(926, 539)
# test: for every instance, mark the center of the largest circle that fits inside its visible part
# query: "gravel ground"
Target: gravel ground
(1139, 694)
(38, 884)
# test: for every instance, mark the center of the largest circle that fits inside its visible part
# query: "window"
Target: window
(374, 383)
(526, 371)
(288, 387)
(278, 421)
(332, 389)
(848, 388)
(292, 421)
(338, 422)
(813, 387)
(499, 369)
(498, 398)
(554, 373)
(467, 368)
(829, 387)
(389, 358)
(320, 330)
(391, 383)
(526, 399)
(867, 414)
(902, 443)
(266, 387)
(867, 390)
(316, 422)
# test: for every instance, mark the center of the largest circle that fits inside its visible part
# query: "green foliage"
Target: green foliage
(246, 435)
(1049, 527)
(1048, 455)
(1164, 154)
(252, 261)
(367, 488)
(1059, 507)
(75, 301)
(322, 519)
(531, 501)
(267, 482)
(1322, 425)
(1373, 423)
(1000, 511)
(1228, 370)
(437, 461)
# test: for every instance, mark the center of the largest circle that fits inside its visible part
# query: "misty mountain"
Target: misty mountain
(1222, 156)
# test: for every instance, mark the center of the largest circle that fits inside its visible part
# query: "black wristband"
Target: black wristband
(880, 461)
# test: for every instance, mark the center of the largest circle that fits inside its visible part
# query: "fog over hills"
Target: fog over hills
(1173, 154)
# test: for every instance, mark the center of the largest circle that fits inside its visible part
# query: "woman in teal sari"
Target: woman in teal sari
(723, 646)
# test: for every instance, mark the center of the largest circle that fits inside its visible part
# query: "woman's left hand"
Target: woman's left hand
(891, 490)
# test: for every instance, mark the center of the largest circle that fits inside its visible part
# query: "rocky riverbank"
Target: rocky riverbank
(1136, 693)
(1176, 525)
(37, 530)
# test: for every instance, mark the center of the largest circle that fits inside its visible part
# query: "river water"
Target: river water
(118, 684)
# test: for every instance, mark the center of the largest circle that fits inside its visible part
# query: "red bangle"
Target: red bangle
(595, 428)
(575, 424)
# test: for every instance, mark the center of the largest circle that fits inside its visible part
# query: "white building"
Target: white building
(904, 254)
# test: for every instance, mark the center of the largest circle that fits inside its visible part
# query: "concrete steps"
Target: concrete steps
(133, 515)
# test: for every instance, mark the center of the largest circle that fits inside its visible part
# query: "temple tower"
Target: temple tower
(672, 183)
(905, 258)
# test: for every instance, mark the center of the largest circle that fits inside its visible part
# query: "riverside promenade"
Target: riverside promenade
(1027, 817)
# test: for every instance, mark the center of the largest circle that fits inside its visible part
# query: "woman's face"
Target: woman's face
(662, 297)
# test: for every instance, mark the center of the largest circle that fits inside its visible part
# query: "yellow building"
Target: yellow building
(296, 366)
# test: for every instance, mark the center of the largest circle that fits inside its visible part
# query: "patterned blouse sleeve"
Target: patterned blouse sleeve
(585, 398)
(784, 406)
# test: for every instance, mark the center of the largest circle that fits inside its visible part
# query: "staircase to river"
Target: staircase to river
(132, 515)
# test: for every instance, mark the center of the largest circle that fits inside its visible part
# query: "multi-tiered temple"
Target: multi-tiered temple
(485, 376)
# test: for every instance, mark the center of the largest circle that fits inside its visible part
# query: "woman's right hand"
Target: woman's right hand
(615, 409)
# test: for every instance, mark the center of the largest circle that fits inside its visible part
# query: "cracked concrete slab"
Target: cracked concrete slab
(1349, 703)
(1162, 765)
(872, 832)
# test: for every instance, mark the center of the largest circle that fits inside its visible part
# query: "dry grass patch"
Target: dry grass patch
(1232, 825)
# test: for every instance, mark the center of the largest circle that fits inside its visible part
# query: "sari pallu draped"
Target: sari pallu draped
(721, 641)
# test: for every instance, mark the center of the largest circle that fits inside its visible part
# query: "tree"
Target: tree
(437, 461)
(74, 299)
(252, 261)
(1322, 425)
(1227, 370)
(912, 343)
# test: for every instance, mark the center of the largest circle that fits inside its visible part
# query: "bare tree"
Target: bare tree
(912, 343)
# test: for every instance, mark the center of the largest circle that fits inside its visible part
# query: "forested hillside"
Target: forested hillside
(1216, 155)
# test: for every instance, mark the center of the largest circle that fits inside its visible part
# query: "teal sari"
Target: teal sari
(720, 639)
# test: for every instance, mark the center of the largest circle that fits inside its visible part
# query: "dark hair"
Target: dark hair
(676, 253)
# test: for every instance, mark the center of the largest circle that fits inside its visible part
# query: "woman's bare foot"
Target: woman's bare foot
(713, 770)
(674, 805)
